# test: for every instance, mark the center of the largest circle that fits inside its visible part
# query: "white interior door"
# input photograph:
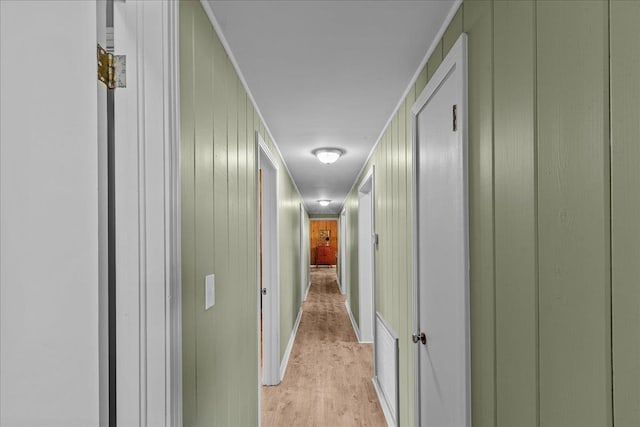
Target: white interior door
(270, 287)
(343, 251)
(49, 214)
(442, 246)
(365, 260)
(304, 259)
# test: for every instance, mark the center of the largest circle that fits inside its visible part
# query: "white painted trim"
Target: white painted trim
(383, 403)
(225, 44)
(324, 218)
(304, 261)
(393, 414)
(457, 55)
(173, 220)
(344, 264)
(354, 325)
(147, 216)
(287, 352)
(452, 13)
(370, 176)
(267, 152)
(271, 317)
(306, 294)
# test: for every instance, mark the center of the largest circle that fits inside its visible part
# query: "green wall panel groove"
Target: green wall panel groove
(625, 205)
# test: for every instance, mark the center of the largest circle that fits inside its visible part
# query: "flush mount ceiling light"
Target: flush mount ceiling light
(328, 155)
(324, 202)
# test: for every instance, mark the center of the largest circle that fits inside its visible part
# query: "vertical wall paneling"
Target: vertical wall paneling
(452, 32)
(219, 232)
(421, 81)
(205, 93)
(554, 241)
(573, 213)
(515, 214)
(478, 25)
(434, 61)
(395, 282)
(625, 205)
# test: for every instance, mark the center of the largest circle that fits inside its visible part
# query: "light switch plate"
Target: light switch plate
(209, 291)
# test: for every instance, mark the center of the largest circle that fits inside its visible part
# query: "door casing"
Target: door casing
(343, 251)
(456, 58)
(270, 264)
(367, 299)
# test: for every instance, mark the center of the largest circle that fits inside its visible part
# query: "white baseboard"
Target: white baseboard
(383, 403)
(353, 322)
(287, 352)
(306, 294)
(340, 288)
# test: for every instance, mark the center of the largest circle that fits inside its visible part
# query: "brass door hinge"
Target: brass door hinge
(112, 69)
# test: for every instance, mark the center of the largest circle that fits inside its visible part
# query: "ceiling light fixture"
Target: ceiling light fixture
(324, 202)
(328, 155)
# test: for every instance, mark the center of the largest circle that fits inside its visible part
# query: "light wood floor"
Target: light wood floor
(328, 380)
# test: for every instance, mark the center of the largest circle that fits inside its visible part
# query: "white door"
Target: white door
(343, 251)
(269, 267)
(365, 260)
(304, 259)
(49, 214)
(442, 246)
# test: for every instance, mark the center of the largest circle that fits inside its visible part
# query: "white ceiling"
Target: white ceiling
(328, 74)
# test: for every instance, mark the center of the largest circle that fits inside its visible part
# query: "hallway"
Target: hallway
(328, 381)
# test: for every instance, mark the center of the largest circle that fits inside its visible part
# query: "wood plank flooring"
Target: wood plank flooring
(328, 380)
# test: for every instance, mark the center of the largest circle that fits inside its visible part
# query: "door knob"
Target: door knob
(419, 338)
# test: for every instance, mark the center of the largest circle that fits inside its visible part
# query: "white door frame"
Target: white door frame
(456, 58)
(368, 186)
(343, 251)
(304, 259)
(148, 267)
(270, 264)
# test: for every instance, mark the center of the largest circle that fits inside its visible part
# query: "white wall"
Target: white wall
(48, 214)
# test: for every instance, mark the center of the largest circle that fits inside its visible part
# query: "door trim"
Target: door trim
(457, 57)
(304, 260)
(148, 235)
(271, 316)
(343, 251)
(369, 177)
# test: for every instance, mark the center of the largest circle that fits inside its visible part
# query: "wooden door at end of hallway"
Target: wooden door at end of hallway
(318, 230)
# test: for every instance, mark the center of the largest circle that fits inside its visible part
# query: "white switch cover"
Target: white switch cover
(209, 291)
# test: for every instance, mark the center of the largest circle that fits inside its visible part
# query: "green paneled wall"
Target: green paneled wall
(554, 144)
(219, 232)
(625, 205)
(573, 213)
(516, 297)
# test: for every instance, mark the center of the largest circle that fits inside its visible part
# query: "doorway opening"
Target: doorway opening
(366, 236)
(343, 252)
(323, 240)
(304, 256)
(269, 310)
